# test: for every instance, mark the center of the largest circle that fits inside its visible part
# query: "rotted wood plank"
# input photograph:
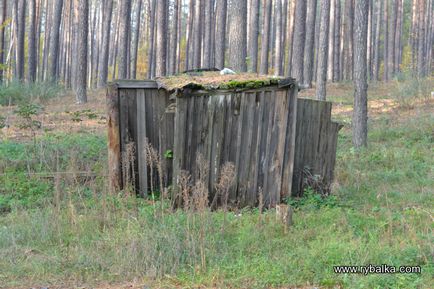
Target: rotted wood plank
(114, 141)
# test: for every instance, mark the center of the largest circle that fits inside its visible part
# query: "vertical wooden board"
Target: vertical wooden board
(282, 116)
(268, 198)
(179, 139)
(218, 140)
(275, 164)
(141, 138)
(132, 124)
(300, 144)
(240, 166)
(170, 127)
(114, 139)
(246, 154)
(265, 103)
(256, 139)
(124, 129)
(290, 141)
(235, 103)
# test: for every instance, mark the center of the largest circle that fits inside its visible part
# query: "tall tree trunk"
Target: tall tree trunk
(220, 41)
(376, 61)
(265, 41)
(348, 42)
(421, 39)
(207, 34)
(20, 38)
(360, 112)
(81, 76)
(278, 69)
(385, 42)
(103, 60)
(253, 35)
(161, 45)
(290, 36)
(3, 10)
(136, 40)
(331, 39)
(151, 52)
(197, 33)
(54, 45)
(32, 41)
(391, 40)
(174, 38)
(321, 77)
(310, 41)
(238, 36)
(124, 32)
(398, 36)
(299, 39)
(337, 43)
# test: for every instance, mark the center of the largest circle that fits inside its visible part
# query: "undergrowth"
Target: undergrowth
(17, 92)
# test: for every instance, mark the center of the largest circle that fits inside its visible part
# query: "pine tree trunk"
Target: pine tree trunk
(21, 13)
(337, 43)
(421, 39)
(253, 35)
(238, 36)
(391, 40)
(265, 41)
(290, 36)
(385, 41)
(103, 59)
(360, 112)
(321, 77)
(310, 41)
(81, 72)
(197, 33)
(174, 39)
(330, 53)
(151, 53)
(3, 10)
(32, 41)
(398, 36)
(207, 35)
(124, 32)
(54, 45)
(136, 40)
(376, 61)
(278, 69)
(299, 39)
(161, 45)
(348, 43)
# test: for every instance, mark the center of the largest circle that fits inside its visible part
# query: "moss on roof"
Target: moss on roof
(215, 81)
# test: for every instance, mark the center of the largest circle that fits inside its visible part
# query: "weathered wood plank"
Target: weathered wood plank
(141, 139)
(114, 141)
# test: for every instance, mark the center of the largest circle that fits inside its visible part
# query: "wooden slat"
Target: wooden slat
(141, 138)
(114, 141)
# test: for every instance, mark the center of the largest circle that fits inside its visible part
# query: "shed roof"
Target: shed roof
(216, 81)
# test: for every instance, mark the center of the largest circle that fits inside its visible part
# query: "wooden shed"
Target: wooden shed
(248, 120)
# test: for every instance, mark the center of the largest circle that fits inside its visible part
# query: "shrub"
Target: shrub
(16, 92)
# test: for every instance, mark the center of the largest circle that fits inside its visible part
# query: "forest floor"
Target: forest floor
(60, 230)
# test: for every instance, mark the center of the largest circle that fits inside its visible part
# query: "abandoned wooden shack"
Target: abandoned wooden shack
(255, 122)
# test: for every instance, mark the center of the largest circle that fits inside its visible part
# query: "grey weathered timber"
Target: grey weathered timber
(267, 133)
(315, 144)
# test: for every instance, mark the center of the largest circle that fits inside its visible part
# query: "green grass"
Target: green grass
(380, 213)
(16, 92)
